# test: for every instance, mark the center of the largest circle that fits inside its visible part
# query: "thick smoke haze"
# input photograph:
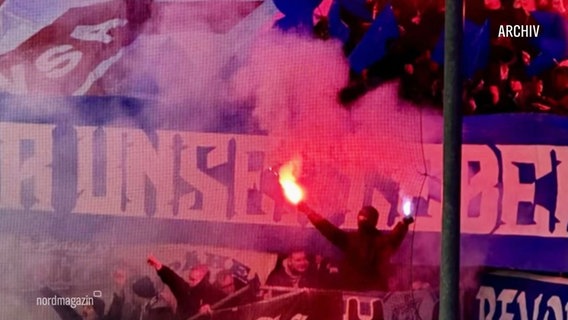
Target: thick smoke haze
(221, 67)
(294, 81)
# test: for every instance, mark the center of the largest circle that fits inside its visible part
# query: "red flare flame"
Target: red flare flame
(292, 190)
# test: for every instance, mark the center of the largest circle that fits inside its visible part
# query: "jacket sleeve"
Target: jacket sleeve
(397, 235)
(331, 232)
(177, 285)
(64, 312)
(274, 280)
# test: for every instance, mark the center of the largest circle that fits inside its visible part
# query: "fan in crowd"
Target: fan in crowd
(194, 295)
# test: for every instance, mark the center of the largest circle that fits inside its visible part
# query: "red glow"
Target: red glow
(292, 189)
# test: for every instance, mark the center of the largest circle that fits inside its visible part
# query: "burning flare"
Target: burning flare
(407, 207)
(292, 189)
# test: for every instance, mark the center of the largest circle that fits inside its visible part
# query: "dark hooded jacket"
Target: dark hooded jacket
(366, 255)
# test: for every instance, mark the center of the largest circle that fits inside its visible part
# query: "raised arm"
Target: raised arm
(177, 284)
(331, 232)
(399, 232)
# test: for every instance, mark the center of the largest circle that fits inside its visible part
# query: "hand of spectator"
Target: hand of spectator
(516, 86)
(153, 262)
(205, 309)
(331, 268)
(526, 57)
(409, 68)
(408, 220)
(541, 106)
(480, 85)
(416, 19)
(563, 63)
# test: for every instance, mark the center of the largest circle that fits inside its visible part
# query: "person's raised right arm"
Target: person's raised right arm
(177, 285)
(331, 232)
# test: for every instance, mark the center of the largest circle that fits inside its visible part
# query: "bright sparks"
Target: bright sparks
(292, 189)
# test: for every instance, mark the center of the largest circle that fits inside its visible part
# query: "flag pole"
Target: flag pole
(450, 257)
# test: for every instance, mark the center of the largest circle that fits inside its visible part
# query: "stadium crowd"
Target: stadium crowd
(196, 292)
(518, 74)
(365, 266)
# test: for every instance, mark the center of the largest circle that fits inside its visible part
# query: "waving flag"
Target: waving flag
(552, 23)
(298, 14)
(78, 47)
(552, 51)
(552, 42)
(337, 28)
(21, 19)
(66, 56)
(475, 48)
(373, 46)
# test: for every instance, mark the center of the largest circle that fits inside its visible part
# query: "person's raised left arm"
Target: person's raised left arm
(399, 232)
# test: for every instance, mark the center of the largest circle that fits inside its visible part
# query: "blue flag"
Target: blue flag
(475, 48)
(337, 28)
(373, 46)
(552, 24)
(552, 42)
(298, 14)
(552, 51)
(296, 7)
